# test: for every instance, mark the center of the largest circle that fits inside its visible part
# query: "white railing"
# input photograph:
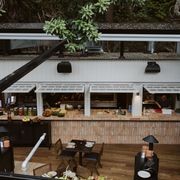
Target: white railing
(103, 37)
(25, 162)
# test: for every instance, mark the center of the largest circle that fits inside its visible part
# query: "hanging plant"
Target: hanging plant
(78, 31)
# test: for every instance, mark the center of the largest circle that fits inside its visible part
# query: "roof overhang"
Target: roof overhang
(20, 88)
(59, 88)
(160, 88)
(113, 88)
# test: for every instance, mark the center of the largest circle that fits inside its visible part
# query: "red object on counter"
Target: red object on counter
(158, 110)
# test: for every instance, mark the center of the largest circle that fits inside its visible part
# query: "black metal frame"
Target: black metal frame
(25, 69)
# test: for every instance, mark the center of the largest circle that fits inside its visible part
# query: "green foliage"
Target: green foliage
(156, 10)
(78, 31)
(87, 12)
(123, 10)
(102, 5)
(1, 12)
(18, 11)
(1, 7)
(128, 10)
(142, 10)
(57, 27)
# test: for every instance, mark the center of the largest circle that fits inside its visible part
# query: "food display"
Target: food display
(26, 119)
(62, 113)
(47, 112)
(54, 112)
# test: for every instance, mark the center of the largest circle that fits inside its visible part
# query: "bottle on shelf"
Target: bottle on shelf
(143, 155)
(6, 143)
(1, 109)
(144, 111)
(9, 113)
(1, 143)
(30, 111)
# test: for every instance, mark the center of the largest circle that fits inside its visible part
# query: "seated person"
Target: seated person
(150, 102)
(164, 102)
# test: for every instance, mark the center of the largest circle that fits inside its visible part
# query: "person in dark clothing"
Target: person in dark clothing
(164, 102)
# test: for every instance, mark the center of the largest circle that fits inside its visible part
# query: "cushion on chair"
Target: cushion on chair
(91, 156)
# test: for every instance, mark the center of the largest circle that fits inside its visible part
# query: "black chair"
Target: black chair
(92, 160)
(39, 171)
(63, 153)
(63, 166)
(61, 169)
(82, 172)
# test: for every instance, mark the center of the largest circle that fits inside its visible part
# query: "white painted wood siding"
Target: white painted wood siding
(96, 71)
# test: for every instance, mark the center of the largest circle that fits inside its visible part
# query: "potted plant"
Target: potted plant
(81, 30)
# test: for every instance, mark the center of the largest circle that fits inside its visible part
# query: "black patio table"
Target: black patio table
(80, 146)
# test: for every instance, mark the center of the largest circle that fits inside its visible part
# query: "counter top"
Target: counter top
(104, 115)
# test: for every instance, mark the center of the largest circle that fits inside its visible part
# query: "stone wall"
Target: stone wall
(120, 132)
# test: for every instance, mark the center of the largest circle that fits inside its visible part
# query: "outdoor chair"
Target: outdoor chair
(61, 168)
(39, 171)
(82, 172)
(63, 153)
(92, 160)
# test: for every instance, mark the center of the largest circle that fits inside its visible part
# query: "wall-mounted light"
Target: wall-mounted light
(64, 67)
(152, 67)
(137, 94)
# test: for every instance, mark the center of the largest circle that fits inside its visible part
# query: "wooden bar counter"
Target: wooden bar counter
(105, 126)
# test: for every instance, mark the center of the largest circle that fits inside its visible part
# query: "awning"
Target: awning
(20, 88)
(113, 88)
(170, 88)
(60, 88)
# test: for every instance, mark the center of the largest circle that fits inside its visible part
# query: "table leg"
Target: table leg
(80, 158)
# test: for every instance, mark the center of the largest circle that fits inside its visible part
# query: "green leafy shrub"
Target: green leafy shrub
(80, 30)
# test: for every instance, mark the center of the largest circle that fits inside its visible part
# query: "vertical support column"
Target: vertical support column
(151, 47)
(177, 103)
(178, 48)
(6, 95)
(7, 98)
(87, 101)
(137, 102)
(39, 104)
(121, 45)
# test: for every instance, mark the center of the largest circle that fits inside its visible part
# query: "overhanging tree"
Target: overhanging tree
(177, 8)
(78, 31)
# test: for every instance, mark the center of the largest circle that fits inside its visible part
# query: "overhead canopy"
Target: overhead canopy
(20, 88)
(113, 88)
(172, 88)
(60, 88)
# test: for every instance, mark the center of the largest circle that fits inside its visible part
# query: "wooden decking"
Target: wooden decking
(117, 160)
